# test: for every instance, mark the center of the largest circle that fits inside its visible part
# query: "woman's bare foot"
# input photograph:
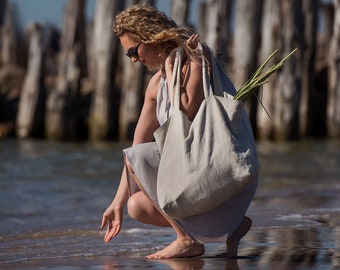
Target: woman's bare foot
(181, 248)
(234, 240)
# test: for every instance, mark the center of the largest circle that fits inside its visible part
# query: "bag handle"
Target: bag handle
(176, 77)
(206, 80)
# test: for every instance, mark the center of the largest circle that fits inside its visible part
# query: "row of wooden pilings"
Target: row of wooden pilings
(77, 85)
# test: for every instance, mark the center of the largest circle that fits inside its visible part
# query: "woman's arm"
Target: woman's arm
(113, 215)
(192, 93)
(147, 124)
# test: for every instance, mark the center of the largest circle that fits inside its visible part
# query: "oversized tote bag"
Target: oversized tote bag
(207, 161)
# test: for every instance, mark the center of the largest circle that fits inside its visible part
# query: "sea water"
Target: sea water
(53, 195)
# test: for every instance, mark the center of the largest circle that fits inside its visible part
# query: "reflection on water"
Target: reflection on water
(289, 248)
(52, 196)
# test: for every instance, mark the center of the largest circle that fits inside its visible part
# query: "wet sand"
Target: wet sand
(307, 240)
(51, 208)
(305, 247)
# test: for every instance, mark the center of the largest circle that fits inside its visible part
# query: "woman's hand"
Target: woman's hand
(192, 41)
(113, 217)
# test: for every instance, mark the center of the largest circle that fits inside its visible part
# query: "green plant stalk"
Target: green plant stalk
(259, 70)
(259, 78)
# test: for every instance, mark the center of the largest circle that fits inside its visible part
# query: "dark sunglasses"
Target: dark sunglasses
(133, 52)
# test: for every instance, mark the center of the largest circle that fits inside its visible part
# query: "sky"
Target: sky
(51, 11)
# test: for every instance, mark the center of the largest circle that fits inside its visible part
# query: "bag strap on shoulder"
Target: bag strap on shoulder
(206, 80)
(175, 80)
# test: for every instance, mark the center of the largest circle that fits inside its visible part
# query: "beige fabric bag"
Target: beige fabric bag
(209, 160)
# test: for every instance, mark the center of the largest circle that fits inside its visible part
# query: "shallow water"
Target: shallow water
(52, 196)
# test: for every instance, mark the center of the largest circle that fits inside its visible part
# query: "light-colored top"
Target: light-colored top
(163, 107)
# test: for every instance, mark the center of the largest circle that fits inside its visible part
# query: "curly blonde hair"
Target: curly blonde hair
(151, 26)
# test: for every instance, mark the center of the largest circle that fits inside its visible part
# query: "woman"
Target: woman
(151, 38)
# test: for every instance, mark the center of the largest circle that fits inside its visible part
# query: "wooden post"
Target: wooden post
(246, 45)
(333, 112)
(9, 42)
(216, 29)
(62, 103)
(309, 28)
(31, 106)
(11, 74)
(133, 86)
(288, 91)
(131, 98)
(180, 10)
(101, 120)
(269, 42)
(327, 9)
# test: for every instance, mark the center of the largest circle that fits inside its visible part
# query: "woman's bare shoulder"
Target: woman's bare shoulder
(153, 85)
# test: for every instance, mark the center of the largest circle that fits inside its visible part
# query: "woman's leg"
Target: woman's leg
(142, 209)
(234, 240)
(183, 246)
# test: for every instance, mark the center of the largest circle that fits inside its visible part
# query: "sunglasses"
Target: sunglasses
(133, 52)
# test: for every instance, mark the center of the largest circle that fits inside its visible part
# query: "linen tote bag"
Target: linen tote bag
(207, 161)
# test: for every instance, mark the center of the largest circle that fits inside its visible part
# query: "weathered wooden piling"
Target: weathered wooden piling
(333, 110)
(180, 11)
(246, 46)
(62, 108)
(308, 52)
(104, 45)
(134, 80)
(11, 74)
(270, 40)
(288, 89)
(9, 38)
(215, 18)
(31, 110)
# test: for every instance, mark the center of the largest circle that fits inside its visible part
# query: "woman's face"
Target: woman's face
(148, 54)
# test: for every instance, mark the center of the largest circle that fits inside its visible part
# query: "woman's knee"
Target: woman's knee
(135, 207)
(141, 209)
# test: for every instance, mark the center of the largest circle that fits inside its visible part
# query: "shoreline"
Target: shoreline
(292, 246)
